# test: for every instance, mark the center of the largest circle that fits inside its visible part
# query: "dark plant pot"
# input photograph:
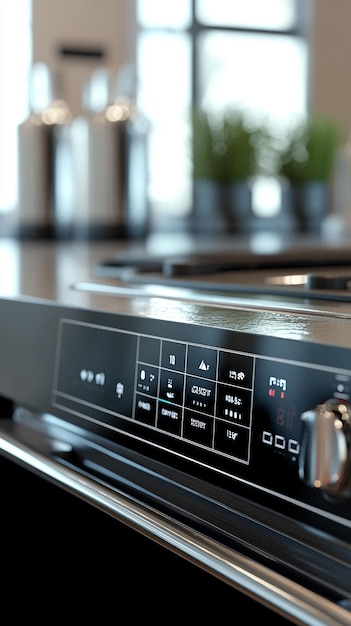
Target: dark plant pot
(222, 208)
(238, 204)
(208, 215)
(310, 205)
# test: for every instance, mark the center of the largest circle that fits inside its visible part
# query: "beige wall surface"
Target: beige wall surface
(330, 88)
(109, 25)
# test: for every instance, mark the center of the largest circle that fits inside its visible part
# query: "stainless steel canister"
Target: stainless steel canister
(110, 151)
(45, 194)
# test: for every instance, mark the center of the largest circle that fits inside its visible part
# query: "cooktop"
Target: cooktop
(302, 268)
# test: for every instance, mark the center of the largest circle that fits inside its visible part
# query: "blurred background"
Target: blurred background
(156, 104)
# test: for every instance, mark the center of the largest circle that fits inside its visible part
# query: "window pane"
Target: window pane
(15, 59)
(260, 73)
(164, 96)
(270, 14)
(156, 13)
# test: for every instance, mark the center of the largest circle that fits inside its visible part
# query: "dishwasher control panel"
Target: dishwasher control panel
(228, 408)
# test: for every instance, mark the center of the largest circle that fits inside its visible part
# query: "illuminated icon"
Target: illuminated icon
(267, 437)
(145, 406)
(232, 434)
(204, 366)
(234, 375)
(86, 375)
(119, 390)
(142, 374)
(279, 442)
(170, 383)
(100, 378)
(151, 377)
(293, 446)
(170, 395)
(233, 399)
(172, 359)
(277, 383)
(233, 414)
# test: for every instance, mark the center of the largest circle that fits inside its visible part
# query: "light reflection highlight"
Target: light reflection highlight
(9, 268)
(292, 279)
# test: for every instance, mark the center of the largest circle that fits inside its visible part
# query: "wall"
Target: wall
(108, 25)
(330, 88)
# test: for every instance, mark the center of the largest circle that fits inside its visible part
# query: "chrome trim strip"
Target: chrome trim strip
(258, 582)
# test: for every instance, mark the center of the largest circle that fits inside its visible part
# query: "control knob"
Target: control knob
(325, 456)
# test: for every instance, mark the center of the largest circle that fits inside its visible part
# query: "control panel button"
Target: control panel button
(173, 355)
(149, 350)
(171, 386)
(199, 394)
(89, 374)
(147, 380)
(234, 404)
(198, 428)
(169, 418)
(232, 440)
(202, 362)
(145, 410)
(235, 369)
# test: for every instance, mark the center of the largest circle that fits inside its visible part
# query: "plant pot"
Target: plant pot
(208, 214)
(238, 205)
(309, 205)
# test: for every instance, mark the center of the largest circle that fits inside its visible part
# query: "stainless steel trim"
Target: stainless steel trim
(208, 298)
(260, 583)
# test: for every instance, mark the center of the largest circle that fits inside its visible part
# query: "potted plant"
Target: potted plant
(238, 147)
(207, 214)
(307, 163)
(224, 154)
(204, 159)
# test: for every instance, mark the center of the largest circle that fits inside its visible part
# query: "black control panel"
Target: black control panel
(233, 410)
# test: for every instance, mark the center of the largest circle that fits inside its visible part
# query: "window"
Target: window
(246, 53)
(15, 60)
